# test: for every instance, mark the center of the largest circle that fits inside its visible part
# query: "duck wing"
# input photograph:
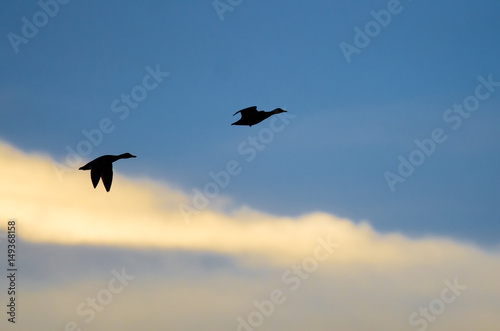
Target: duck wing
(250, 111)
(95, 175)
(107, 176)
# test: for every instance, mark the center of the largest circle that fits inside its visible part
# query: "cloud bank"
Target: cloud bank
(316, 271)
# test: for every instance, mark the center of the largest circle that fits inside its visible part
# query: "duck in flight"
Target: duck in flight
(251, 116)
(102, 167)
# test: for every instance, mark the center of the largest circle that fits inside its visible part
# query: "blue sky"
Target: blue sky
(348, 122)
(353, 120)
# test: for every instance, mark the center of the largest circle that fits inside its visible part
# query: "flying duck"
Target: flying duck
(102, 167)
(251, 116)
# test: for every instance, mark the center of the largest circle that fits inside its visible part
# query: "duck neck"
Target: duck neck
(118, 157)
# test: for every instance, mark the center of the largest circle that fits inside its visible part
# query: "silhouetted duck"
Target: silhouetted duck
(102, 167)
(251, 116)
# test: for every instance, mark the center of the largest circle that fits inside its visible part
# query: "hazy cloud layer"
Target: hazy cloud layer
(326, 273)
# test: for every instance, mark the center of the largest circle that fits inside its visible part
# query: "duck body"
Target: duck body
(102, 167)
(251, 116)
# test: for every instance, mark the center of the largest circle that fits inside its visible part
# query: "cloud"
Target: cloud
(140, 213)
(351, 276)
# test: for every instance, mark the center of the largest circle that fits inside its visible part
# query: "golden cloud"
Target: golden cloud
(141, 213)
(366, 280)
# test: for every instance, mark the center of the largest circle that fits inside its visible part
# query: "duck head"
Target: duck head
(127, 156)
(278, 110)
